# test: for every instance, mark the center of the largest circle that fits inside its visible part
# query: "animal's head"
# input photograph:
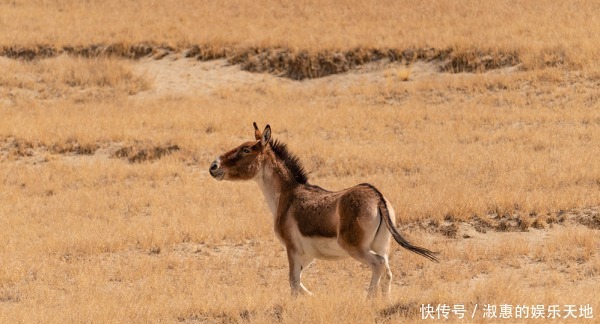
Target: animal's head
(243, 162)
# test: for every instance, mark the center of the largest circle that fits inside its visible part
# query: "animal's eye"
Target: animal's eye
(246, 150)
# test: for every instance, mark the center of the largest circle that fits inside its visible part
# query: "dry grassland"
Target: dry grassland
(108, 213)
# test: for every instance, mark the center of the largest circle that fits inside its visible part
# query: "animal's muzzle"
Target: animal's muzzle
(214, 166)
(215, 170)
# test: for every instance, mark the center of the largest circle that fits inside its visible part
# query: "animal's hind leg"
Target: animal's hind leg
(375, 262)
(386, 285)
(381, 246)
(359, 225)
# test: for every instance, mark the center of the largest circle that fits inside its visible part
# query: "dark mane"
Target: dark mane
(290, 161)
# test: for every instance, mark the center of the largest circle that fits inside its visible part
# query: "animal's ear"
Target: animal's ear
(257, 133)
(266, 136)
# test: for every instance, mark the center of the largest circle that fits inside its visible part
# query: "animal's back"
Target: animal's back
(323, 213)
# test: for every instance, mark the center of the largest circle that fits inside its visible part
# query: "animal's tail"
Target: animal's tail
(385, 214)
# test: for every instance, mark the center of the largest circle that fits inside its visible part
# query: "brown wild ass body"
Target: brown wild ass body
(314, 223)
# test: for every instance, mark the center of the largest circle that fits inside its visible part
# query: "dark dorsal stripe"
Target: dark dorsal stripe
(290, 161)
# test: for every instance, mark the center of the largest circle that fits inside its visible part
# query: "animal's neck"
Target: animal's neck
(273, 179)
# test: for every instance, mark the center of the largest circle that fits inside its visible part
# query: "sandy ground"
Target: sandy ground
(175, 75)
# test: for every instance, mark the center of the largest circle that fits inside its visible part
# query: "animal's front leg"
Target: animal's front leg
(297, 263)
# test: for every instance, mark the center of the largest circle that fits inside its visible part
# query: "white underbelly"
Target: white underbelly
(322, 248)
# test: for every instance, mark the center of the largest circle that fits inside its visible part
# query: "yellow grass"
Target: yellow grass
(540, 31)
(88, 236)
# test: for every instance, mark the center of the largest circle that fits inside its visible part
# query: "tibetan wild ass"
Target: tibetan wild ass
(314, 223)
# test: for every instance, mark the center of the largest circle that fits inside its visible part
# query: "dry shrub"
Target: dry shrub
(16, 148)
(300, 65)
(285, 62)
(207, 52)
(481, 225)
(141, 152)
(523, 222)
(538, 223)
(307, 64)
(116, 50)
(479, 61)
(449, 230)
(73, 146)
(19, 148)
(29, 53)
(401, 310)
(119, 50)
(589, 217)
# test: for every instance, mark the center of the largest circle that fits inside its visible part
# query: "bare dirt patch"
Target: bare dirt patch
(176, 75)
